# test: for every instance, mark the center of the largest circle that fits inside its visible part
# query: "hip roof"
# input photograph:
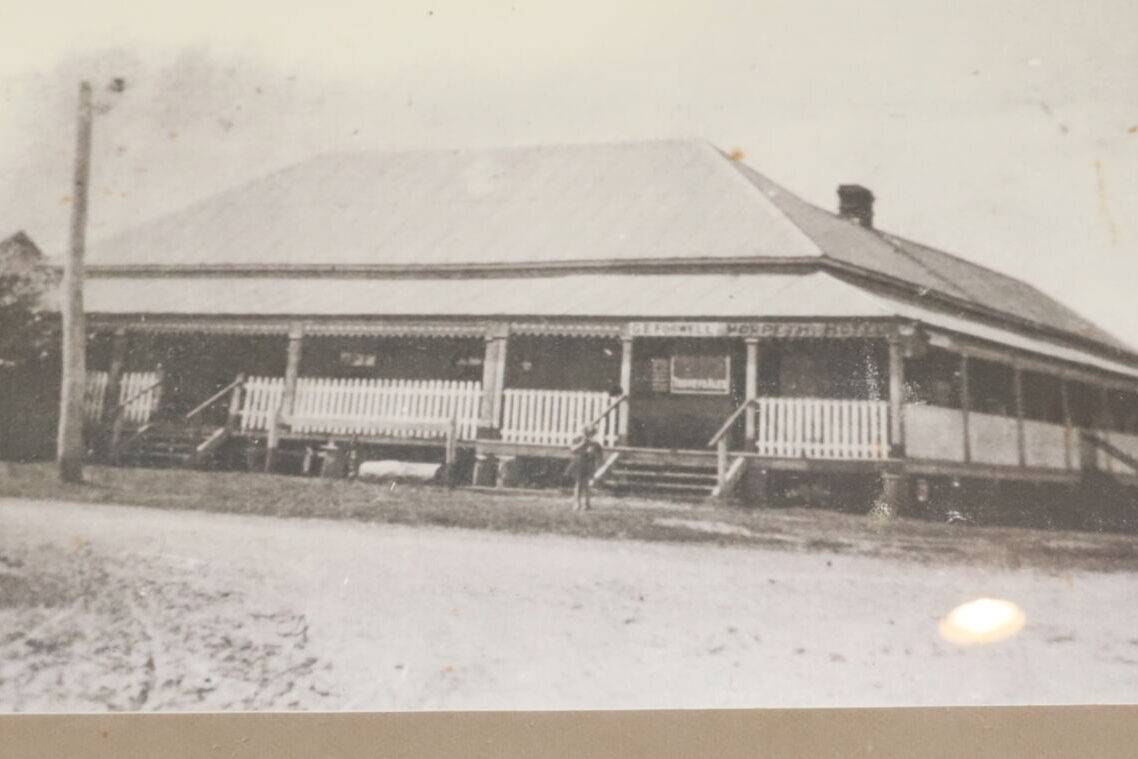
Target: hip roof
(642, 204)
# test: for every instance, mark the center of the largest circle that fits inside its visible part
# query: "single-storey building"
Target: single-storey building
(717, 330)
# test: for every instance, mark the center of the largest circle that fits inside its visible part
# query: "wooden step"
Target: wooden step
(616, 483)
(691, 479)
(675, 474)
(169, 444)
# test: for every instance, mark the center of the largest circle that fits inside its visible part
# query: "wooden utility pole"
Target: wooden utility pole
(74, 379)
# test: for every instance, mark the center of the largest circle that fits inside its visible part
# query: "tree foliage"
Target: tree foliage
(29, 325)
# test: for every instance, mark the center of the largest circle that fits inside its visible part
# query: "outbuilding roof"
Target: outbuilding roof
(641, 204)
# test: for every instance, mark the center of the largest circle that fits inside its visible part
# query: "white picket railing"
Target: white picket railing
(131, 387)
(139, 388)
(822, 428)
(95, 396)
(555, 417)
(260, 400)
(365, 407)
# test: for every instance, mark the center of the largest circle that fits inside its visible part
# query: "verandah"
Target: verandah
(512, 399)
(539, 401)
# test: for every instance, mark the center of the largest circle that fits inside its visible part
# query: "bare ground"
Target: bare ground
(545, 512)
(88, 630)
(114, 607)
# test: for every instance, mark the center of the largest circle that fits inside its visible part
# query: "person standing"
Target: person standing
(585, 451)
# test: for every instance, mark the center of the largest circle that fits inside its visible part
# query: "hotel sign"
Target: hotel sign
(701, 375)
(761, 329)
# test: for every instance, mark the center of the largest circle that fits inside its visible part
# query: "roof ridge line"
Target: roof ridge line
(885, 236)
(956, 256)
(1004, 276)
(733, 166)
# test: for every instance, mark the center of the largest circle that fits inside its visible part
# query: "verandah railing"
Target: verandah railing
(365, 407)
(136, 389)
(555, 417)
(822, 428)
(938, 433)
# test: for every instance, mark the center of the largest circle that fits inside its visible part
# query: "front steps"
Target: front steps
(685, 481)
(171, 445)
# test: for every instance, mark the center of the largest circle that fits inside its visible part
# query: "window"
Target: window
(1042, 397)
(991, 387)
(933, 378)
(357, 360)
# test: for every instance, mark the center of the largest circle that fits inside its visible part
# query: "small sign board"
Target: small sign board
(701, 375)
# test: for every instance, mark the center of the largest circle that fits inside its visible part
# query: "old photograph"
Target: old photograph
(597, 355)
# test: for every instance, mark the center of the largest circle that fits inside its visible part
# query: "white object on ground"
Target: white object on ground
(411, 471)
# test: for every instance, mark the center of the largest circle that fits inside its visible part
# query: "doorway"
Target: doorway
(683, 389)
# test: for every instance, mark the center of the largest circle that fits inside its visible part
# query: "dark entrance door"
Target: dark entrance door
(683, 389)
(197, 366)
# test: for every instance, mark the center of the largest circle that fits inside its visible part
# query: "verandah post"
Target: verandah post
(493, 382)
(751, 391)
(115, 372)
(1017, 389)
(288, 394)
(894, 481)
(1068, 432)
(896, 398)
(1106, 422)
(490, 404)
(626, 388)
(965, 405)
(236, 396)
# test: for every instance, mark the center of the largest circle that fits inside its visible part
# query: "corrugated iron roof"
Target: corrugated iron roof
(927, 267)
(622, 202)
(515, 205)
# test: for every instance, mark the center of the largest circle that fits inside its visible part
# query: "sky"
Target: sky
(1004, 132)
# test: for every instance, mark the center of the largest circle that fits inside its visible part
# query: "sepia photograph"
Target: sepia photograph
(506, 355)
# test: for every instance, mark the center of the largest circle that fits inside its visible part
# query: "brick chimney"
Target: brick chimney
(856, 204)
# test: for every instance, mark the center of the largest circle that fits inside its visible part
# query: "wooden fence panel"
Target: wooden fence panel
(380, 407)
(555, 417)
(95, 396)
(1044, 444)
(822, 428)
(934, 433)
(138, 388)
(993, 439)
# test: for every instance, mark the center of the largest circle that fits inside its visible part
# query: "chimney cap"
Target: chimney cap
(855, 202)
(854, 191)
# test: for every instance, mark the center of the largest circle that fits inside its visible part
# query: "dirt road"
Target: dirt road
(110, 607)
